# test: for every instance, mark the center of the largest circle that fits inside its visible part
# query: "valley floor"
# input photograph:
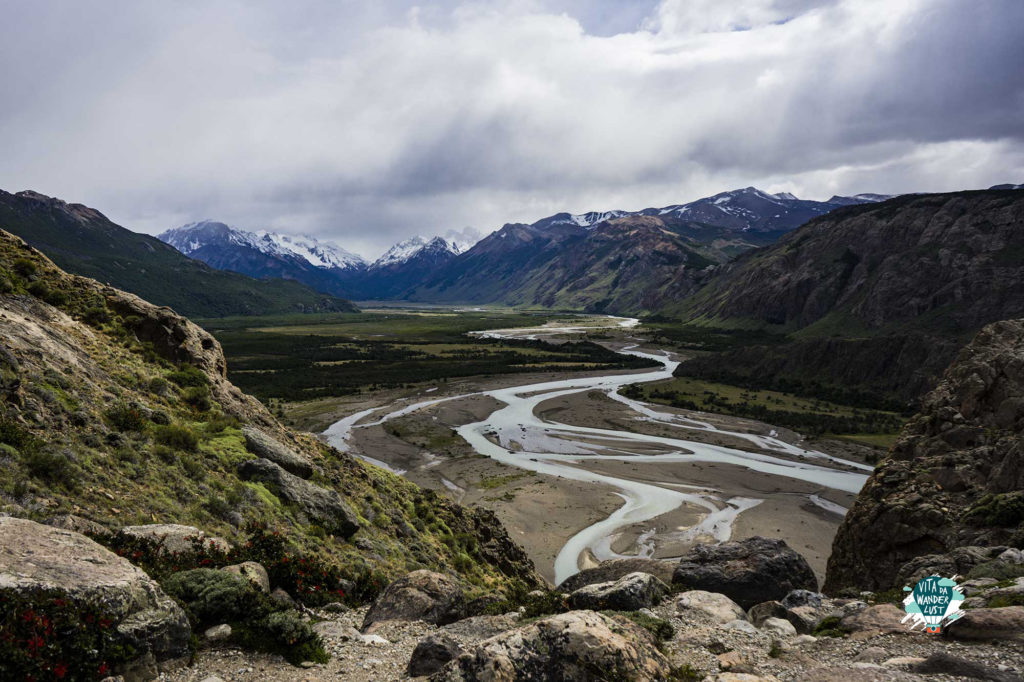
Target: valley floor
(719, 475)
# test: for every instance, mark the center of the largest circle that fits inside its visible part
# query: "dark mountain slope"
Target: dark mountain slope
(911, 278)
(954, 479)
(83, 241)
(621, 265)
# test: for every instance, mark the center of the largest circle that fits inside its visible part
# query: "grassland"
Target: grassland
(807, 415)
(305, 357)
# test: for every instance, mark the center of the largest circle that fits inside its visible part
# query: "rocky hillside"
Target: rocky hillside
(916, 275)
(83, 241)
(942, 262)
(625, 264)
(119, 411)
(954, 480)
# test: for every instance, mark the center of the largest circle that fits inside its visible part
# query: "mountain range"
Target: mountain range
(84, 241)
(563, 260)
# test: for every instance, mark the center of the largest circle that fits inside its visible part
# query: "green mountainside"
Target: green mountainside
(83, 241)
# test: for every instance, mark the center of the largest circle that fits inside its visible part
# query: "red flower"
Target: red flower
(60, 670)
(35, 643)
(28, 616)
(104, 669)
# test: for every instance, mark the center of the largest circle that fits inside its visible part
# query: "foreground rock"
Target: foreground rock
(322, 506)
(582, 646)
(176, 538)
(954, 479)
(616, 568)
(629, 593)
(420, 595)
(253, 572)
(262, 445)
(718, 607)
(749, 571)
(431, 654)
(1001, 623)
(36, 557)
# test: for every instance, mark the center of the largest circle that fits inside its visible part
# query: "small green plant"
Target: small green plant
(165, 454)
(685, 673)
(25, 268)
(96, 316)
(126, 417)
(829, 628)
(1003, 510)
(176, 437)
(39, 289)
(51, 466)
(198, 398)
(775, 650)
(159, 386)
(659, 627)
(188, 375)
(1000, 570)
(1005, 600)
(5, 285)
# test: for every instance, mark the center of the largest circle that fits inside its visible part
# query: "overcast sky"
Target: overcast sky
(367, 121)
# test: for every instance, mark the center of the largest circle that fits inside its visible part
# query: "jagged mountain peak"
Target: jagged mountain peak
(410, 248)
(194, 237)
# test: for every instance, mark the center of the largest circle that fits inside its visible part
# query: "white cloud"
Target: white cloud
(369, 122)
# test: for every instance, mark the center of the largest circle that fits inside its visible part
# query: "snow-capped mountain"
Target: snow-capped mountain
(740, 209)
(194, 237)
(413, 247)
(321, 265)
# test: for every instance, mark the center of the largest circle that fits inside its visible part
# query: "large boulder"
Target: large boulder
(1006, 622)
(421, 595)
(718, 607)
(629, 593)
(262, 445)
(35, 558)
(749, 571)
(613, 569)
(879, 618)
(175, 538)
(955, 477)
(321, 506)
(959, 561)
(582, 646)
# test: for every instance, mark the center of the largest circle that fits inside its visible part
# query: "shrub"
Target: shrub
(96, 315)
(25, 267)
(126, 417)
(211, 596)
(165, 454)
(1004, 510)
(8, 451)
(51, 466)
(188, 375)
(286, 634)
(193, 468)
(159, 386)
(177, 437)
(44, 636)
(829, 628)
(5, 285)
(39, 289)
(1000, 570)
(659, 627)
(198, 398)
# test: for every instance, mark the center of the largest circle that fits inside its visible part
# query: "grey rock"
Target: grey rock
(282, 598)
(616, 568)
(629, 593)
(717, 606)
(262, 445)
(758, 613)
(1012, 556)
(432, 653)
(176, 538)
(871, 654)
(882, 618)
(582, 646)
(421, 595)
(38, 557)
(741, 626)
(218, 633)
(253, 572)
(322, 506)
(749, 571)
(77, 524)
(779, 627)
(803, 598)
(1005, 623)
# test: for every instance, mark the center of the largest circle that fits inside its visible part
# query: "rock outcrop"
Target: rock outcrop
(176, 538)
(36, 557)
(748, 571)
(954, 479)
(613, 569)
(268, 447)
(322, 506)
(629, 593)
(580, 645)
(420, 595)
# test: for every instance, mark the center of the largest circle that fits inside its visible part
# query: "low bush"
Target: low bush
(1004, 510)
(126, 417)
(188, 375)
(176, 437)
(659, 627)
(198, 398)
(1000, 570)
(51, 466)
(45, 636)
(96, 316)
(25, 268)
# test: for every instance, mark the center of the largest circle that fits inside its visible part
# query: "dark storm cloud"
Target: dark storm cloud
(369, 122)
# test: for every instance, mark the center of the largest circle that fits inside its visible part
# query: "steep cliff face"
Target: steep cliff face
(119, 411)
(956, 476)
(943, 262)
